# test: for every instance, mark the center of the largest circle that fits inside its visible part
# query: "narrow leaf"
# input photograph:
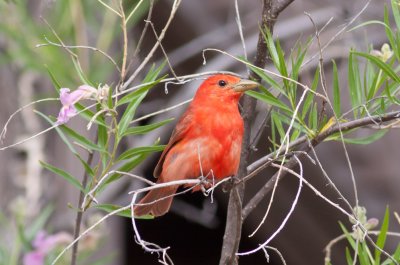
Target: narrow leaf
(81, 139)
(139, 151)
(368, 139)
(129, 113)
(336, 91)
(268, 98)
(72, 180)
(125, 213)
(383, 66)
(146, 128)
(380, 242)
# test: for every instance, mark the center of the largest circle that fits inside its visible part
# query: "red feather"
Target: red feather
(208, 136)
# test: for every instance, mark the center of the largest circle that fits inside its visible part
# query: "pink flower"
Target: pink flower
(68, 100)
(42, 245)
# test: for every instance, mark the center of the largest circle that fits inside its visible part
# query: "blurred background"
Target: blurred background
(194, 227)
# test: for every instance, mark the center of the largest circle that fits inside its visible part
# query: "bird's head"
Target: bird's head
(224, 87)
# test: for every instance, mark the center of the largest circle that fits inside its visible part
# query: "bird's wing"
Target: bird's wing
(182, 127)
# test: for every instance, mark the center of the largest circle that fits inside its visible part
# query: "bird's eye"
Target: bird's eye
(221, 83)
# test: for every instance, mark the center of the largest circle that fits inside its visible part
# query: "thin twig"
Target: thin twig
(345, 126)
(79, 214)
(328, 248)
(139, 44)
(270, 11)
(4, 131)
(125, 45)
(51, 43)
(282, 225)
(162, 49)
(161, 111)
(305, 87)
(175, 6)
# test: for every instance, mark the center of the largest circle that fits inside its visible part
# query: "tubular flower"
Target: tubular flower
(69, 99)
(42, 245)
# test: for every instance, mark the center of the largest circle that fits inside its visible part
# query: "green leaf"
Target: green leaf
(366, 140)
(370, 22)
(362, 253)
(125, 213)
(128, 166)
(349, 258)
(380, 242)
(313, 119)
(389, 33)
(310, 96)
(396, 13)
(102, 139)
(139, 151)
(336, 91)
(354, 84)
(39, 222)
(80, 72)
(282, 67)
(146, 128)
(133, 95)
(57, 85)
(66, 141)
(348, 236)
(129, 113)
(278, 125)
(81, 139)
(271, 47)
(268, 98)
(59, 131)
(149, 78)
(269, 80)
(383, 66)
(287, 120)
(396, 254)
(88, 114)
(72, 180)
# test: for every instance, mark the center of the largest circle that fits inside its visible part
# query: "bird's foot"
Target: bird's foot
(232, 182)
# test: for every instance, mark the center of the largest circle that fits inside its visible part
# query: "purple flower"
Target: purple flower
(34, 258)
(69, 99)
(42, 245)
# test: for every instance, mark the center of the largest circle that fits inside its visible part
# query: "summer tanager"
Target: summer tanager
(207, 139)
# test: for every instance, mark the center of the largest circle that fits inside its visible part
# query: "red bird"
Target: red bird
(207, 138)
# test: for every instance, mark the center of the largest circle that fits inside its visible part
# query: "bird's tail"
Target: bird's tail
(158, 201)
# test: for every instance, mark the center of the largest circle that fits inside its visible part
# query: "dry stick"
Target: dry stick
(328, 248)
(125, 34)
(79, 215)
(345, 126)
(286, 151)
(162, 49)
(139, 44)
(232, 235)
(277, 251)
(4, 131)
(51, 43)
(282, 225)
(184, 77)
(175, 6)
(323, 84)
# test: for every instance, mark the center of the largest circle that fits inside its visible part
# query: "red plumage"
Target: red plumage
(209, 134)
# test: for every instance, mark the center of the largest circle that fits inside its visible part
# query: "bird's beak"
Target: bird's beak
(244, 85)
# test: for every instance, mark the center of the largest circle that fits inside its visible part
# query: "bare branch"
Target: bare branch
(252, 204)
(175, 6)
(270, 12)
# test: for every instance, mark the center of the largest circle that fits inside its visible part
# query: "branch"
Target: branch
(79, 215)
(345, 126)
(232, 235)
